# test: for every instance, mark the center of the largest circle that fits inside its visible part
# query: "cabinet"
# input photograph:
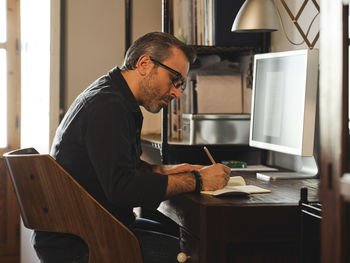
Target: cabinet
(229, 46)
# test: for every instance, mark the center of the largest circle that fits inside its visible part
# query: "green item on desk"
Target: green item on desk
(235, 164)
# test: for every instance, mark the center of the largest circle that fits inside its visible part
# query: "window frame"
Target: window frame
(13, 76)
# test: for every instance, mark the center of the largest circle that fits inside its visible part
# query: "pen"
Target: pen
(209, 155)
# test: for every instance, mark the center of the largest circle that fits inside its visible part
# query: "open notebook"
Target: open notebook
(237, 186)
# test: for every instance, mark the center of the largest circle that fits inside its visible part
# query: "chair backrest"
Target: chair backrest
(51, 200)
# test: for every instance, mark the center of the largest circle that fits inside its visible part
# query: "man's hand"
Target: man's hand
(177, 168)
(214, 177)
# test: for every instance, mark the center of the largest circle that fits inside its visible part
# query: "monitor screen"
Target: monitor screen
(284, 101)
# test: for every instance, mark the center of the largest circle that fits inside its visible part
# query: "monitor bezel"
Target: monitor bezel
(306, 144)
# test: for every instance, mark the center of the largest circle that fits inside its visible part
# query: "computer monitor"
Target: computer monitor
(284, 108)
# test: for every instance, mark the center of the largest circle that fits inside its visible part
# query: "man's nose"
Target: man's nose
(177, 92)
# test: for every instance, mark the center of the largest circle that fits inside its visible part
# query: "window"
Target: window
(3, 100)
(35, 74)
(9, 75)
(3, 76)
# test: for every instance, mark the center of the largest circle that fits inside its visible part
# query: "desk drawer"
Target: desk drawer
(189, 245)
(266, 252)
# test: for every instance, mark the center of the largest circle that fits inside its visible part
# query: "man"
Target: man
(98, 143)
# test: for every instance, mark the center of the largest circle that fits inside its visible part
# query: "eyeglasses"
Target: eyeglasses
(178, 81)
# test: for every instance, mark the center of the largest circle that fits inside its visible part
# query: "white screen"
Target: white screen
(279, 99)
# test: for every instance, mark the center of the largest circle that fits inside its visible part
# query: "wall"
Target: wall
(94, 42)
(146, 17)
(279, 41)
(95, 31)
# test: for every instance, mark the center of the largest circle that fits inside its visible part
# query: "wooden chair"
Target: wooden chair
(51, 200)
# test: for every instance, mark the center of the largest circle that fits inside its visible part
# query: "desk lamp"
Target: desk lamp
(261, 16)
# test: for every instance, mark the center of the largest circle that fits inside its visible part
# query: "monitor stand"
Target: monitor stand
(300, 167)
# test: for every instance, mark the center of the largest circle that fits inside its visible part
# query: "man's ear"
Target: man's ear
(144, 65)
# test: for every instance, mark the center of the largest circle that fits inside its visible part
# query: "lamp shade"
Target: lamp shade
(256, 16)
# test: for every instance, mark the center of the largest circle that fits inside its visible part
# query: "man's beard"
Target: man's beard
(152, 98)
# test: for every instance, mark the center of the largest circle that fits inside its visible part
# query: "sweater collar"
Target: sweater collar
(117, 77)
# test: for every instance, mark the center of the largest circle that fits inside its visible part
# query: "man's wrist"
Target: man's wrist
(199, 183)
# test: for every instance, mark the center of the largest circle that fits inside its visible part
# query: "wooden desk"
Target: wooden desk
(258, 228)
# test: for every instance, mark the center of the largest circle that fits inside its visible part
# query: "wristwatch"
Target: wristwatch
(199, 183)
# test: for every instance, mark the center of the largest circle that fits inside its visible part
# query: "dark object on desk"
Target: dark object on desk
(310, 229)
(51, 200)
(235, 164)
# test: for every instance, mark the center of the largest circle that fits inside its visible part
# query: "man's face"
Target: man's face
(159, 87)
(155, 96)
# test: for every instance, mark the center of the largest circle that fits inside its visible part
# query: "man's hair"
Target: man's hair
(157, 45)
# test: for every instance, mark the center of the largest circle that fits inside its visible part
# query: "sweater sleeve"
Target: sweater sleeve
(111, 145)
